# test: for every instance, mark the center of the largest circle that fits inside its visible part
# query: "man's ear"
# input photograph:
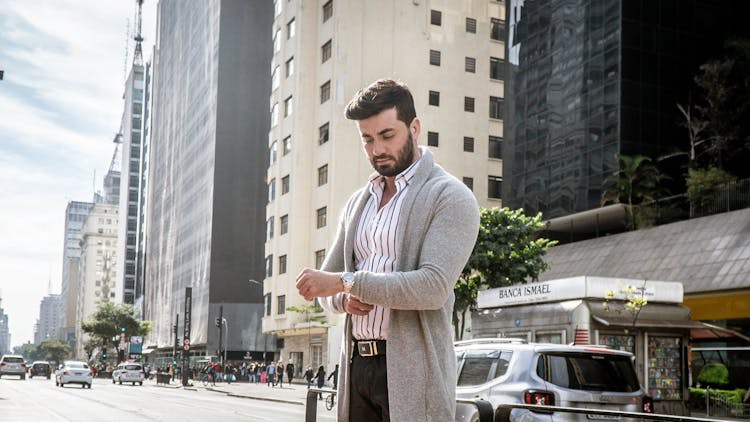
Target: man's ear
(415, 128)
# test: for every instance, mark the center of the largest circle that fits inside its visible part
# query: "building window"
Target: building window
(327, 10)
(269, 266)
(325, 52)
(288, 106)
(471, 25)
(469, 182)
(273, 152)
(496, 108)
(282, 264)
(281, 304)
(321, 217)
(276, 41)
(285, 184)
(320, 256)
(290, 29)
(434, 98)
(435, 57)
(322, 175)
(325, 92)
(284, 224)
(267, 298)
(469, 104)
(275, 78)
(287, 147)
(497, 67)
(275, 115)
(471, 65)
(436, 17)
(323, 134)
(289, 67)
(271, 190)
(269, 228)
(497, 29)
(495, 147)
(494, 187)
(468, 144)
(432, 139)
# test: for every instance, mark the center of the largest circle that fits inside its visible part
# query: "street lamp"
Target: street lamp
(265, 338)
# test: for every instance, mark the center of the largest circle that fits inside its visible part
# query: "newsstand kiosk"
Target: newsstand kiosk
(593, 310)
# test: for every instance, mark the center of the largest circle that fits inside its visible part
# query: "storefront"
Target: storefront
(594, 310)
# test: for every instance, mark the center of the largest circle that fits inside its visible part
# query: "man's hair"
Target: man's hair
(381, 95)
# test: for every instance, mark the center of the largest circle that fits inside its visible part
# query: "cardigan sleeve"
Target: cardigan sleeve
(442, 246)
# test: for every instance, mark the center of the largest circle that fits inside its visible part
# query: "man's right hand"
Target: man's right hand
(354, 306)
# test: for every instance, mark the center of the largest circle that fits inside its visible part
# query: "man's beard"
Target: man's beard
(402, 162)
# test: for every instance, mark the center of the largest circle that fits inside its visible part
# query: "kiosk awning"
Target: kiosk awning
(698, 330)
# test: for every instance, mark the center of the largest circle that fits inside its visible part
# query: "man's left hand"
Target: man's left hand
(315, 283)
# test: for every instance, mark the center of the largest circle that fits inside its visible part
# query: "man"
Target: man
(290, 371)
(400, 246)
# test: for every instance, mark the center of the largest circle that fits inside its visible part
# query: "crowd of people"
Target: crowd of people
(271, 373)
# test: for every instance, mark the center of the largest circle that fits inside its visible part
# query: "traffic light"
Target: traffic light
(104, 354)
(218, 322)
(174, 362)
(122, 329)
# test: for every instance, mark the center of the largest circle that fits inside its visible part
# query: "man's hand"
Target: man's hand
(354, 306)
(315, 283)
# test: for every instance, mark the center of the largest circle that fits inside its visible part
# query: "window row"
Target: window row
(320, 256)
(497, 26)
(495, 145)
(496, 104)
(322, 180)
(325, 95)
(497, 65)
(494, 186)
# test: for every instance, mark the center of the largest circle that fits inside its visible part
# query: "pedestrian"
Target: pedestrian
(263, 373)
(402, 242)
(308, 376)
(271, 374)
(211, 372)
(335, 376)
(280, 373)
(320, 378)
(228, 373)
(290, 372)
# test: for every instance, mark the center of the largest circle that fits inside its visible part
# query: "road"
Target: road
(39, 400)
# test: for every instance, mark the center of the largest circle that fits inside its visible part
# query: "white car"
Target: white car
(128, 372)
(74, 372)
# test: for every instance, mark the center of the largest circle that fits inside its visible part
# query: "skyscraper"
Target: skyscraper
(207, 161)
(449, 53)
(49, 318)
(4, 329)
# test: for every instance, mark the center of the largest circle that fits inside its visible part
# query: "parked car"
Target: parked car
(507, 371)
(74, 372)
(128, 372)
(40, 368)
(13, 365)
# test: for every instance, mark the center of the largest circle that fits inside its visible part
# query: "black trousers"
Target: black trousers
(368, 396)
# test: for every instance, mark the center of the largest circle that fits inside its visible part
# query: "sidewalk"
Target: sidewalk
(295, 393)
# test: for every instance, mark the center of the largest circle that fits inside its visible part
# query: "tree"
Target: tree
(27, 350)
(54, 350)
(311, 312)
(702, 185)
(508, 250)
(635, 181)
(108, 321)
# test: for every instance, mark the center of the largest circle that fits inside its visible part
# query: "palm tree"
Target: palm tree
(634, 182)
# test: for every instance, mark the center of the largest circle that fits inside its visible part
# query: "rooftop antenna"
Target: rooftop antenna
(138, 55)
(127, 49)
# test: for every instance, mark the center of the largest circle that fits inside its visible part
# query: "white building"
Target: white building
(98, 271)
(50, 317)
(449, 53)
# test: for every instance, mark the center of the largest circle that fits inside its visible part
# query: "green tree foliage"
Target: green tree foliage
(703, 183)
(508, 250)
(636, 180)
(27, 350)
(53, 350)
(714, 375)
(311, 312)
(107, 321)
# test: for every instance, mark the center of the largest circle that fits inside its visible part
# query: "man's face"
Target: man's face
(390, 145)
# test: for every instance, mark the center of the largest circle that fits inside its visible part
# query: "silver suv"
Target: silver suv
(13, 365)
(503, 371)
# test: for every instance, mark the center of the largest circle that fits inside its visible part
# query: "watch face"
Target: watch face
(348, 277)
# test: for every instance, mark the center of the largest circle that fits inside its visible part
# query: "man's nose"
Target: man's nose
(378, 147)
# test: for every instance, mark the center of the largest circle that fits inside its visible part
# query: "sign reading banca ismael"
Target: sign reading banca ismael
(583, 287)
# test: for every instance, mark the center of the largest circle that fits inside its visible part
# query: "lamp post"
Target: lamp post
(226, 336)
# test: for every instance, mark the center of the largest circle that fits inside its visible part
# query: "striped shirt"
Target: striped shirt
(375, 247)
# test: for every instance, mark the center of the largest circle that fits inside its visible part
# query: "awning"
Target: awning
(698, 330)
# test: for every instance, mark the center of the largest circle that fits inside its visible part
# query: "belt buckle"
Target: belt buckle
(367, 348)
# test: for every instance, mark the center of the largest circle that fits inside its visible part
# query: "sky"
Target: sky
(61, 103)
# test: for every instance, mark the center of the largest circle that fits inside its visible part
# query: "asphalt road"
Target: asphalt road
(39, 399)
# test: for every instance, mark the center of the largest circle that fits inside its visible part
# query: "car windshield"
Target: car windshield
(479, 366)
(13, 360)
(133, 367)
(587, 371)
(77, 365)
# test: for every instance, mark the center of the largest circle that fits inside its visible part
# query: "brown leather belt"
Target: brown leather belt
(368, 348)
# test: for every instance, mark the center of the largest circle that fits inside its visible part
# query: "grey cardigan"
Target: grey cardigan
(436, 234)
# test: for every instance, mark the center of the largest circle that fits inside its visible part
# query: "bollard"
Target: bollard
(708, 402)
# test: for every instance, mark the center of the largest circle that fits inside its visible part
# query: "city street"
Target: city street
(40, 400)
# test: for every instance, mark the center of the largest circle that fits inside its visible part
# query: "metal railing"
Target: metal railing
(719, 405)
(485, 411)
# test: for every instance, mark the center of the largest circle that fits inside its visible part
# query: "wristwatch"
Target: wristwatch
(347, 279)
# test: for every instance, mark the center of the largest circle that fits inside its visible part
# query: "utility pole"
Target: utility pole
(219, 324)
(176, 341)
